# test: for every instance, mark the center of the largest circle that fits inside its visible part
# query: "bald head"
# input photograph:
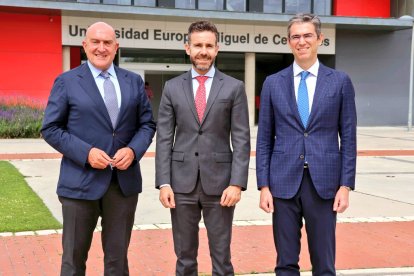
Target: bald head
(100, 27)
(100, 45)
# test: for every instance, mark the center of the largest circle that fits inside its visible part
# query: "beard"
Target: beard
(202, 67)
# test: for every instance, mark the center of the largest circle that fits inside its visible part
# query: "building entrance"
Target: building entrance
(156, 74)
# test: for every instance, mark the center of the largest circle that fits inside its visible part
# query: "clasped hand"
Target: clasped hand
(122, 159)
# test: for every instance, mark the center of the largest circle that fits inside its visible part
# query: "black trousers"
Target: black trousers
(79, 221)
(218, 221)
(320, 224)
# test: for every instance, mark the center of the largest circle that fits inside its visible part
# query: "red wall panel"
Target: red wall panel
(368, 8)
(75, 56)
(30, 54)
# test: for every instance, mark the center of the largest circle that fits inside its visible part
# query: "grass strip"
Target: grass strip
(21, 209)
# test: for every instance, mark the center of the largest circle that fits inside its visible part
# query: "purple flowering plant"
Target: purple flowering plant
(20, 117)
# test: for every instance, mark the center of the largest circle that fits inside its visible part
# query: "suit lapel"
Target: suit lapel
(214, 91)
(88, 84)
(125, 85)
(289, 86)
(188, 92)
(322, 85)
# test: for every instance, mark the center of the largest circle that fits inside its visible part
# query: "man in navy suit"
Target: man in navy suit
(98, 116)
(304, 171)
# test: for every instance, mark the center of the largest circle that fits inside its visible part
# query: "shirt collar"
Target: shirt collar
(313, 69)
(95, 71)
(209, 74)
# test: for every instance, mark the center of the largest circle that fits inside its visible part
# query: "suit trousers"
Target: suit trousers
(79, 221)
(218, 220)
(320, 224)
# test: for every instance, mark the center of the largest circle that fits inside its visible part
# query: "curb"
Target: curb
(395, 271)
(236, 223)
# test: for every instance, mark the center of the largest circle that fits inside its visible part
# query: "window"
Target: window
(144, 3)
(236, 5)
(117, 2)
(89, 1)
(402, 7)
(185, 4)
(210, 4)
(166, 3)
(272, 6)
(322, 7)
(296, 6)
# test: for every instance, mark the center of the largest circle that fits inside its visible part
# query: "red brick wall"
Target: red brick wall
(368, 8)
(30, 54)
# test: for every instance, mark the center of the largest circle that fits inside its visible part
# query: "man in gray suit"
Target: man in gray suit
(197, 170)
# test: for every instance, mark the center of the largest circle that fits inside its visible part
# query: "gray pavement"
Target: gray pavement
(384, 185)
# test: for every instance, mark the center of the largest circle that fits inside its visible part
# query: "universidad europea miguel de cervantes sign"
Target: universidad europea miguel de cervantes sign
(172, 35)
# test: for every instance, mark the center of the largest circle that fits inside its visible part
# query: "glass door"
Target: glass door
(155, 75)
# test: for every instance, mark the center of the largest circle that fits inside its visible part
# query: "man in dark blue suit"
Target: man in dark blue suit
(98, 116)
(306, 150)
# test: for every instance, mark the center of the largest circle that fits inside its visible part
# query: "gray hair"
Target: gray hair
(306, 18)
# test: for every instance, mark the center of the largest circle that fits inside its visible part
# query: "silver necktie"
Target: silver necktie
(111, 101)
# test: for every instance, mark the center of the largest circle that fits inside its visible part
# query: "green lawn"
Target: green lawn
(20, 208)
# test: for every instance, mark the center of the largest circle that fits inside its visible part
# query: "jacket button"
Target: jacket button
(306, 134)
(196, 154)
(301, 156)
(200, 132)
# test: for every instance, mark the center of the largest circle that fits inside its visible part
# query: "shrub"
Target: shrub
(20, 118)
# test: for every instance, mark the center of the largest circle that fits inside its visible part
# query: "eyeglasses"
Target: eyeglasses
(306, 37)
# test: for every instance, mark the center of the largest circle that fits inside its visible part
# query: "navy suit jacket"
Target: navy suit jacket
(328, 143)
(76, 120)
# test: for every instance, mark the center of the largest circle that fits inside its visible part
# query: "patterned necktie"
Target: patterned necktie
(303, 99)
(200, 98)
(111, 101)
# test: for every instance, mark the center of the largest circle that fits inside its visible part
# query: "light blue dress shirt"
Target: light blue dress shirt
(99, 80)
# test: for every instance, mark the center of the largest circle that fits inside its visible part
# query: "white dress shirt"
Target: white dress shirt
(310, 80)
(208, 83)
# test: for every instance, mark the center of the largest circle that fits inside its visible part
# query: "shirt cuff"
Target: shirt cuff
(164, 185)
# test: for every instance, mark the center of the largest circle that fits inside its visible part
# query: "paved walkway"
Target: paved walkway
(377, 232)
(360, 245)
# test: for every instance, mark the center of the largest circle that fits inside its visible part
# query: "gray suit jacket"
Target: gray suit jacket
(185, 147)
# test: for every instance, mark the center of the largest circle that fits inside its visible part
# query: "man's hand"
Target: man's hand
(167, 197)
(98, 159)
(266, 200)
(231, 195)
(341, 202)
(123, 158)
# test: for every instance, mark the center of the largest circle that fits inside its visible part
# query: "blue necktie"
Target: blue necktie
(303, 99)
(111, 101)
